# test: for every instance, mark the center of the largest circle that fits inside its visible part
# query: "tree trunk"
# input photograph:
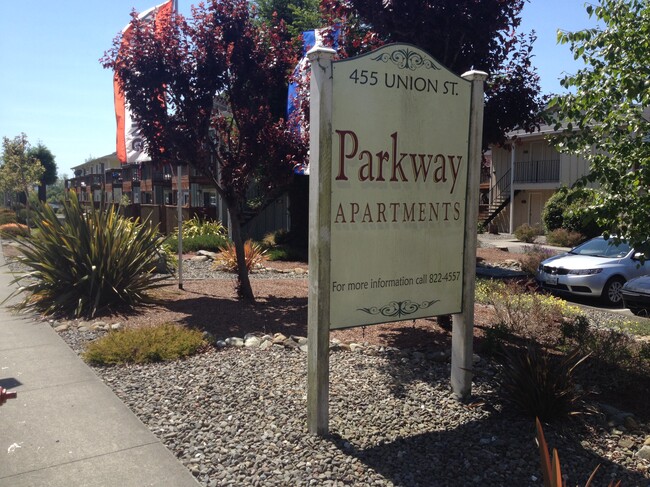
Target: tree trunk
(42, 193)
(27, 211)
(244, 288)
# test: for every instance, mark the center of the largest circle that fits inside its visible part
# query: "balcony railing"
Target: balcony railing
(546, 171)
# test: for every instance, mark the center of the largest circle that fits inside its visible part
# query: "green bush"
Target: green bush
(552, 215)
(562, 237)
(211, 243)
(539, 384)
(287, 253)
(91, 260)
(21, 216)
(574, 210)
(144, 345)
(196, 227)
(7, 216)
(606, 345)
(526, 233)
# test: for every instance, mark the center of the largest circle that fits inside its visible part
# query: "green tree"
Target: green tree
(46, 158)
(298, 15)
(56, 190)
(20, 171)
(604, 116)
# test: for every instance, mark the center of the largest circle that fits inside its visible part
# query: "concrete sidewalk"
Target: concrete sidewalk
(510, 243)
(67, 428)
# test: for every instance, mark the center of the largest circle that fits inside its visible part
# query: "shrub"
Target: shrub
(524, 314)
(494, 339)
(144, 345)
(254, 254)
(7, 216)
(562, 237)
(533, 256)
(526, 233)
(89, 261)
(9, 230)
(211, 243)
(286, 253)
(273, 239)
(573, 209)
(554, 208)
(539, 384)
(607, 345)
(195, 227)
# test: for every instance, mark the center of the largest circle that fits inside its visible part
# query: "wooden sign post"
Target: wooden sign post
(394, 167)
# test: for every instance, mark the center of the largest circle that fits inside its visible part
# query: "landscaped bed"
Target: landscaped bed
(237, 415)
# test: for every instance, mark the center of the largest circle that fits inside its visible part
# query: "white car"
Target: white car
(597, 268)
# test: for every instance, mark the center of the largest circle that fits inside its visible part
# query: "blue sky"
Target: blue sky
(54, 89)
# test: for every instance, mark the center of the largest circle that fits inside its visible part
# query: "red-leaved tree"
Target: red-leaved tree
(210, 92)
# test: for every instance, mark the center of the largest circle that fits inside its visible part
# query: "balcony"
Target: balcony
(545, 171)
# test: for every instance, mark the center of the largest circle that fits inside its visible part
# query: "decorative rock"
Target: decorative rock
(279, 338)
(644, 452)
(266, 344)
(303, 347)
(235, 342)
(252, 341)
(625, 443)
(208, 254)
(117, 326)
(63, 327)
(335, 347)
(221, 344)
(355, 347)
(199, 258)
(299, 271)
(208, 337)
(290, 343)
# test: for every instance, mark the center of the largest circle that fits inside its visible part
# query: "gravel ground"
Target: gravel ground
(237, 416)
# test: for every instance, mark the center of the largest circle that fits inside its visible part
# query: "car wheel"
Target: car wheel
(639, 312)
(612, 291)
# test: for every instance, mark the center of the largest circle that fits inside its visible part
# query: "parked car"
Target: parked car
(636, 295)
(597, 267)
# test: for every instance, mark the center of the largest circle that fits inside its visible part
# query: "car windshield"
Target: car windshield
(599, 247)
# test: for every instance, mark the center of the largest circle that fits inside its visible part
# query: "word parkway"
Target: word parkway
(394, 166)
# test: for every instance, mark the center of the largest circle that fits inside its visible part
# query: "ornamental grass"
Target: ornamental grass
(91, 260)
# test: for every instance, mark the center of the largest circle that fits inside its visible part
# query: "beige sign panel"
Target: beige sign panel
(400, 135)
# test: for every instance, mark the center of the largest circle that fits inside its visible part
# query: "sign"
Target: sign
(400, 137)
(393, 202)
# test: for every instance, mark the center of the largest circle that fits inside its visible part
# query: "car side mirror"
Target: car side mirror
(639, 256)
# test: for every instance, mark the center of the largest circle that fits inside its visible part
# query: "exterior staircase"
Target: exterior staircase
(499, 199)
